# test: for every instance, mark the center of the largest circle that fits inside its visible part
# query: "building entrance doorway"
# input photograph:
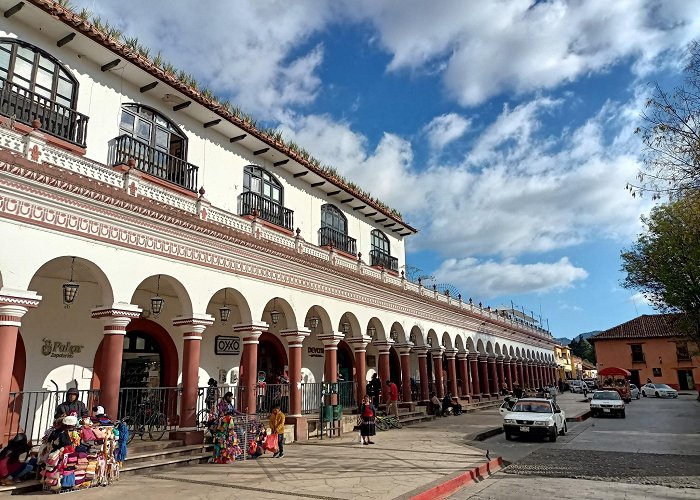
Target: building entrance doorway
(272, 357)
(685, 380)
(634, 378)
(141, 361)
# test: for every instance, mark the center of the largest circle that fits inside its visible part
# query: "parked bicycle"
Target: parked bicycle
(386, 422)
(146, 421)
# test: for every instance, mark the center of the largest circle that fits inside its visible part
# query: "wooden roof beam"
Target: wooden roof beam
(237, 138)
(148, 87)
(301, 174)
(110, 65)
(317, 184)
(333, 193)
(261, 151)
(280, 163)
(66, 39)
(14, 9)
(212, 123)
(182, 105)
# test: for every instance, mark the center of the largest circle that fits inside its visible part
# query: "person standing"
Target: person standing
(276, 422)
(367, 417)
(392, 407)
(517, 390)
(71, 406)
(553, 392)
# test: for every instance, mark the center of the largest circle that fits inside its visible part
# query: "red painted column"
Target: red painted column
(114, 323)
(451, 354)
(531, 375)
(405, 353)
(540, 377)
(359, 345)
(474, 370)
(511, 373)
(493, 375)
(464, 373)
(436, 352)
(192, 330)
(422, 353)
(484, 375)
(501, 373)
(521, 373)
(330, 360)
(250, 334)
(295, 341)
(11, 314)
(384, 367)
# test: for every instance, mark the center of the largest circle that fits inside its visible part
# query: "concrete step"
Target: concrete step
(139, 446)
(149, 457)
(417, 419)
(20, 488)
(147, 467)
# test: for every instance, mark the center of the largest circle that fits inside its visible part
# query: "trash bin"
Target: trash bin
(337, 412)
(327, 413)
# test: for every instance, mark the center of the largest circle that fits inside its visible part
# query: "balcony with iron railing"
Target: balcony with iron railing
(379, 258)
(56, 119)
(638, 357)
(250, 203)
(327, 236)
(153, 161)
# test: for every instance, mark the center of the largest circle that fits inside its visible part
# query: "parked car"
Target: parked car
(607, 403)
(507, 405)
(535, 417)
(659, 390)
(578, 385)
(591, 383)
(634, 391)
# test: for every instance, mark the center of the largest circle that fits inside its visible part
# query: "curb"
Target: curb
(450, 486)
(481, 436)
(580, 418)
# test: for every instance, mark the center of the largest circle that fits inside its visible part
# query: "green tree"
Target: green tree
(664, 263)
(671, 135)
(583, 349)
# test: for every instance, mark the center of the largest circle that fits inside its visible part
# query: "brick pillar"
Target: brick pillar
(330, 360)
(359, 345)
(422, 353)
(451, 354)
(250, 334)
(484, 375)
(501, 373)
(192, 329)
(114, 322)
(463, 373)
(295, 341)
(12, 309)
(405, 353)
(493, 375)
(436, 353)
(474, 370)
(384, 368)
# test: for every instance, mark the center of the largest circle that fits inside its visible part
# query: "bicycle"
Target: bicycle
(146, 420)
(386, 422)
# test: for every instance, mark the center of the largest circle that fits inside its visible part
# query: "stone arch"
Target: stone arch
(480, 347)
(167, 287)
(235, 301)
(446, 341)
(354, 330)
(489, 347)
(470, 344)
(459, 343)
(379, 332)
(398, 331)
(433, 338)
(497, 349)
(416, 336)
(286, 319)
(59, 269)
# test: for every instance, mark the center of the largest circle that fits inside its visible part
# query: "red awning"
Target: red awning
(613, 371)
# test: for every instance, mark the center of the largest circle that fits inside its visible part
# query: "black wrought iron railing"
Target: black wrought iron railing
(638, 357)
(250, 203)
(56, 119)
(341, 241)
(379, 258)
(153, 161)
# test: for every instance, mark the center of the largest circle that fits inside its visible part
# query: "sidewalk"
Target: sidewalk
(402, 464)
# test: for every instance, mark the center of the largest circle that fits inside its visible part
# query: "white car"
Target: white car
(607, 403)
(507, 405)
(577, 386)
(535, 417)
(659, 390)
(634, 391)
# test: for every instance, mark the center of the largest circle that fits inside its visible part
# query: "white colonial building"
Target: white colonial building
(154, 238)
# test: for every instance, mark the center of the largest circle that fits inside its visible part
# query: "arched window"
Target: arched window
(37, 71)
(34, 85)
(334, 230)
(263, 197)
(261, 182)
(153, 129)
(380, 254)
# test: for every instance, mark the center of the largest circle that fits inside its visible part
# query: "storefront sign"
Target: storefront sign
(315, 352)
(227, 345)
(56, 349)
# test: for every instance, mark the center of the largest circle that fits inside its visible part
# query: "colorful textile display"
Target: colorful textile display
(77, 454)
(227, 447)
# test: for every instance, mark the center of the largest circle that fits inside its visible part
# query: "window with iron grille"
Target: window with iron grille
(154, 130)
(637, 353)
(380, 242)
(682, 352)
(261, 182)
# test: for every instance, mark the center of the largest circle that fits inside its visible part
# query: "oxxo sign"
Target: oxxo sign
(227, 345)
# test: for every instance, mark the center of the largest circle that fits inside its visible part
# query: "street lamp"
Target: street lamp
(157, 301)
(274, 314)
(314, 320)
(224, 312)
(70, 289)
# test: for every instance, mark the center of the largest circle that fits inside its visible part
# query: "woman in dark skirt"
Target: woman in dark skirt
(367, 414)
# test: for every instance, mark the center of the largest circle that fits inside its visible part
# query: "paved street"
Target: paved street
(653, 453)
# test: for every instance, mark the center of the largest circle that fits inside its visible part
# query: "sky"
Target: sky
(502, 130)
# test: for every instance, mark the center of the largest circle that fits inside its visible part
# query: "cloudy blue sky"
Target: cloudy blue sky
(504, 130)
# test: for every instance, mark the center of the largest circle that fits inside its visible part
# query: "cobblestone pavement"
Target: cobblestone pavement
(653, 453)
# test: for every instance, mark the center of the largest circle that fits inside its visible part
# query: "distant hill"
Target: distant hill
(567, 341)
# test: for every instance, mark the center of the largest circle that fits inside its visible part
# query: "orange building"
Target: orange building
(649, 348)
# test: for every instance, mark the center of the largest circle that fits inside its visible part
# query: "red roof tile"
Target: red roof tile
(645, 326)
